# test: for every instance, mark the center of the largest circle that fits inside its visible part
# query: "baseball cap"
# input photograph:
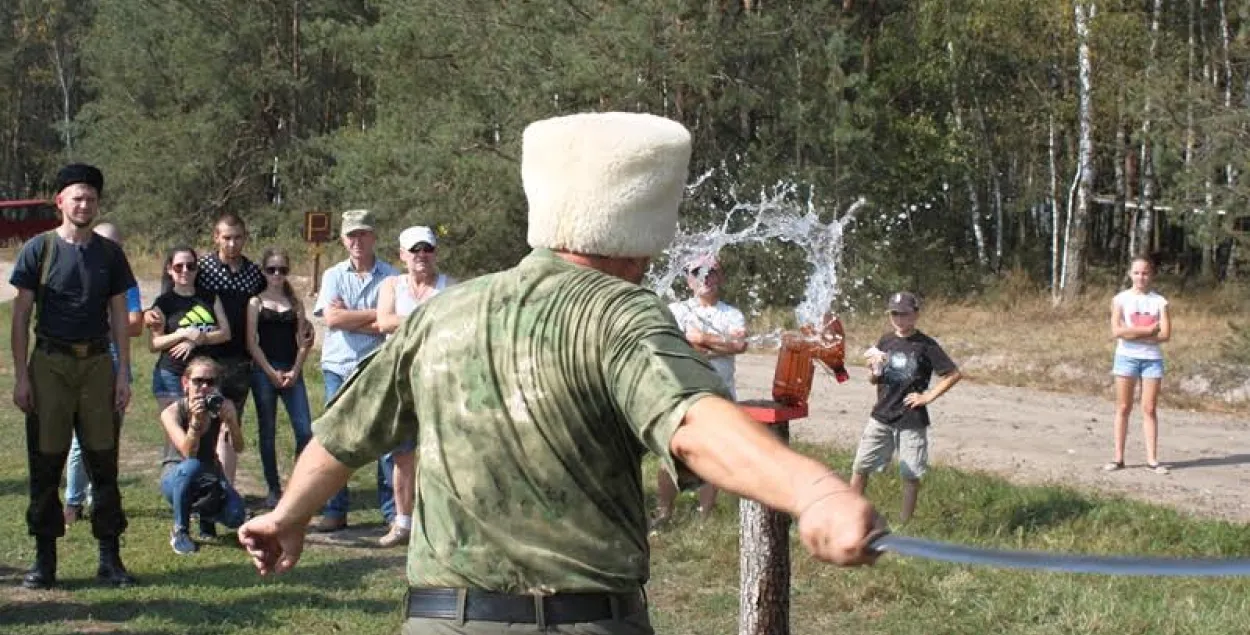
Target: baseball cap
(356, 220)
(904, 302)
(410, 237)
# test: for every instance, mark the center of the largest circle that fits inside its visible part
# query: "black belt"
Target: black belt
(488, 606)
(81, 349)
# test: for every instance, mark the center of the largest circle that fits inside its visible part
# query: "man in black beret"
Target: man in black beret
(79, 281)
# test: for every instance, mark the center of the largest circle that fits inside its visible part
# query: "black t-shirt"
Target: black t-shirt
(910, 362)
(235, 288)
(81, 280)
(207, 450)
(182, 311)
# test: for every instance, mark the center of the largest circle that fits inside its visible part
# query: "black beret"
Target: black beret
(80, 173)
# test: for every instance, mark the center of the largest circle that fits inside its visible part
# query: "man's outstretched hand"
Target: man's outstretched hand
(837, 527)
(275, 545)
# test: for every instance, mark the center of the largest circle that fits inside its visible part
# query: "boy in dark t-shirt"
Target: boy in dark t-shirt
(902, 363)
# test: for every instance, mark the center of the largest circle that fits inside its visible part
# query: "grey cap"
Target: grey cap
(903, 302)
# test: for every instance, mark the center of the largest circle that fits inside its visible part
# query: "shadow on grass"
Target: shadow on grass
(345, 574)
(1214, 461)
(1056, 509)
(209, 616)
(14, 487)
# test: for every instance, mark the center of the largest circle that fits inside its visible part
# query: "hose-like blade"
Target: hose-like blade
(1059, 562)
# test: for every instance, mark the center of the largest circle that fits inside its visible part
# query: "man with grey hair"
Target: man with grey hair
(349, 303)
(533, 395)
(77, 485)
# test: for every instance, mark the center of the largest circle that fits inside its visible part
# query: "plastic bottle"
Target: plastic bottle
(792, 381)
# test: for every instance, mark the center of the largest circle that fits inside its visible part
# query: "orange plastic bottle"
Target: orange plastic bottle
(830, 350)
(792, 381)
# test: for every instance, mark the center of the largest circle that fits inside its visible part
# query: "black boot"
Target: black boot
(111, 570)
(43, 574)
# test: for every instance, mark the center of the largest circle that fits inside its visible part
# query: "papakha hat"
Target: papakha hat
(76, 173)
(606, 184)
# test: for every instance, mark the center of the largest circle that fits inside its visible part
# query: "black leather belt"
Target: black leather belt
(488, 606)
(81, 349)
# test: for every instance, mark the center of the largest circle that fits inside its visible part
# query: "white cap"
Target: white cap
(418, 234)
(605, 184)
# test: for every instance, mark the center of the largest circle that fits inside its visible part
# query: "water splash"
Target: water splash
(780, 215)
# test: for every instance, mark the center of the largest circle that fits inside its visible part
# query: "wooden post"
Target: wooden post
(764, 564)
(764, 543)
(316, 270)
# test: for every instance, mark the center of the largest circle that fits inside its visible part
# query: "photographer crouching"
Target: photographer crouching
(191, 476)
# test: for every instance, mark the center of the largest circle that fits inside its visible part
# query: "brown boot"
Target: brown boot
(327, 524)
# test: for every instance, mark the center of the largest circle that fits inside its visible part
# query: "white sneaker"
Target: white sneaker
(395, 537)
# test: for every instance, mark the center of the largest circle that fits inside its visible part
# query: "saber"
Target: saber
(1058, 562)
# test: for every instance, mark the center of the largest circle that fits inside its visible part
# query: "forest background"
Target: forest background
(1048, 138)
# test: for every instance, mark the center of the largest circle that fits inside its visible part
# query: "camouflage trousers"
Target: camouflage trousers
(637, 624)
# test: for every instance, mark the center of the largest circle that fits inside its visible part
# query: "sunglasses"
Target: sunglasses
(700, 272)
(184, 266)
(277, 271)
(421, 248)
(203, 382)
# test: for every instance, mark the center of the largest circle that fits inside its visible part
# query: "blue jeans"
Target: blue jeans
(295, 399)
(176, 485)
(337, 507)
(77, 485)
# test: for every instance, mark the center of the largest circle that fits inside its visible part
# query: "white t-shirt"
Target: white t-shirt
(722, 320)
(1139, 309)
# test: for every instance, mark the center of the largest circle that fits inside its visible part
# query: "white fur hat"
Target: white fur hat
(605, 184)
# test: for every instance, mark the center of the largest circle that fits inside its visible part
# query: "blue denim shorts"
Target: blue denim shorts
(166, 384)
(1125, 366)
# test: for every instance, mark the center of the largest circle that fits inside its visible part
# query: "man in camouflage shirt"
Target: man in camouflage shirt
(533, 395)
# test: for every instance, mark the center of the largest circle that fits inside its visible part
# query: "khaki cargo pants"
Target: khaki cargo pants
(72, 393)
(637, 624)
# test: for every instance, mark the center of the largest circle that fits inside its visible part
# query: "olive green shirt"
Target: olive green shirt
(533, 395)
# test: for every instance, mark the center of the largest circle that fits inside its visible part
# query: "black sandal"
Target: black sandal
(1113, 466)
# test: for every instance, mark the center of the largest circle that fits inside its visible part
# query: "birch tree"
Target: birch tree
(1074, 250)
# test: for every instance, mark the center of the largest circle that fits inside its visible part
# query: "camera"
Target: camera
(213, 403)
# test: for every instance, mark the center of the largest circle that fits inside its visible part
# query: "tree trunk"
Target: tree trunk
(1053, 151)
(1143, 239)
(1075, 249)
(764, 565)
(974, 203)
(1230, 173)
(1119, 214)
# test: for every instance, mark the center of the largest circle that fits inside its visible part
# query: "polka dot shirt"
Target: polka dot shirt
(234, 288)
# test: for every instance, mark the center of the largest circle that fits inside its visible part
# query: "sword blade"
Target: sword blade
(1059, 562)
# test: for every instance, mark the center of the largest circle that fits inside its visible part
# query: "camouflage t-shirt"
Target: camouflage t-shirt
(533, 395)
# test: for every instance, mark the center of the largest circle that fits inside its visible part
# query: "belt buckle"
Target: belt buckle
(80, 349)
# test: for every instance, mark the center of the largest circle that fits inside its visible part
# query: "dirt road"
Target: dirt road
(1027, 436)
(1031, 436)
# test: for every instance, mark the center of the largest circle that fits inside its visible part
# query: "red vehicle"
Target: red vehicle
(20, 220)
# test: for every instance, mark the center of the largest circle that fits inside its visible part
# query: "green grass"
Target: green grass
(694, 565)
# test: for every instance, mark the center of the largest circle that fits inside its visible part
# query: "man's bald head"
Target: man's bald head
(109, 231)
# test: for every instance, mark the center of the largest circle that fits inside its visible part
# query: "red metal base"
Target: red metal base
(771, 413)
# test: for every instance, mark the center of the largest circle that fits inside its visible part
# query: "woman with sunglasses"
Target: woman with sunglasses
(274, 318)
(398, 297)
(182, 319)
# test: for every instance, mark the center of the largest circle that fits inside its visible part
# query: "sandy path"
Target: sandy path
(1031, 436)
(1028, 436)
